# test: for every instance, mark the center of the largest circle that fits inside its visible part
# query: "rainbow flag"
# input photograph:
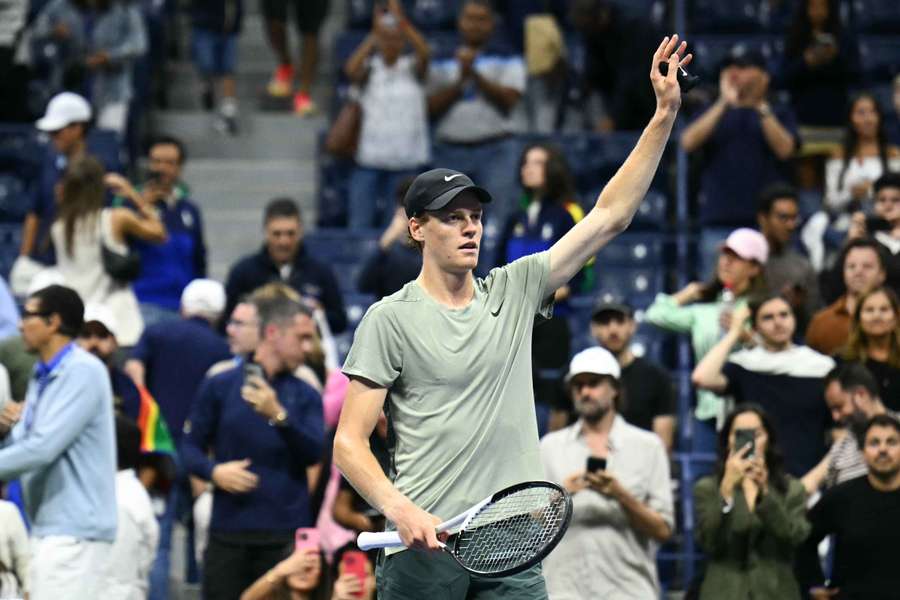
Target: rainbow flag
(155, 436)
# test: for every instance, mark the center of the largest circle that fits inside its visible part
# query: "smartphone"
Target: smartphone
(252, 369)
(153, 177)
(595, 463)
(354, 563)
(874, 224)
(306, 538)
(742, 437)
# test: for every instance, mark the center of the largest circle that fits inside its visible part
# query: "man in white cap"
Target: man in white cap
(171, 360)
(618, 475)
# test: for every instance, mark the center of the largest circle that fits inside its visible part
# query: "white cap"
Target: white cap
(101, 313)
(45, 278)
(63, 110)
(203, 297)
(596, 360)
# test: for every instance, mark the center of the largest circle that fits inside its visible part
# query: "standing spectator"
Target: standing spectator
(98, 336)
(863, 516)
(171, 360)
(167, 267)
(784, 379)
(472, 97)
(746, 142)
(13, 552)
(853, 397)
(874, 341)
(309, 15)
(788, 272)
(84, 227)
(862, 264)
(263, 432)
(97, 43)
(216, 27)
(242, 331)
(820, 62)
(622, 511)
(884, 225)
(393, 144)
(63, 449)
(704, 310)
(283, 258)
(127, 572)
(396, 262)
(750, 515)
(649, 393)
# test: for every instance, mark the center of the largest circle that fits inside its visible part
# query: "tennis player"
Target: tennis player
(448, 358)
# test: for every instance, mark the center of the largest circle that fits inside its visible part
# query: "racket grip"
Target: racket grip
(383, 539)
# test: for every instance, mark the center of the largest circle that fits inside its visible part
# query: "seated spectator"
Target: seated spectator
(472, 97)
(14, 552)
(393, 144)
(746, 142)
(622, 510)
(849, 174)
(820, 61)
(283, 258)
(782, 378)
(348, 585)
(649, 393)
(137, 533)
(98, 336)
(167, 267)
(396, 262)
(98, 42)
(788, 272)
(863, 516)
(300, 575)
(884, 225)
(704, 309)
(750, 514)
(216, 26)
(874, 341)
(612, 38)
(852, 397)
(84, 228)
(253, 436)
(862, 264)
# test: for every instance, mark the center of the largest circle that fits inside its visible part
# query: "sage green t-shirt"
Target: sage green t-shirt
(460, 397)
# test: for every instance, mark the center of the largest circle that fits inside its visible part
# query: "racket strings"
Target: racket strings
(512, 530)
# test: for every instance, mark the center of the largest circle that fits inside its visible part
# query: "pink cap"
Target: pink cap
(749, 244)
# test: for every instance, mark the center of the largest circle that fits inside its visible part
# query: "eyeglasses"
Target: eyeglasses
(239, 323)
(27, 314)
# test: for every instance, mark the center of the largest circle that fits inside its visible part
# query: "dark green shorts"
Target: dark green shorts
(415, 575)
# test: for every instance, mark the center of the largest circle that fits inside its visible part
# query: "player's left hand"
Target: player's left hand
(260, 395)
(666, 88)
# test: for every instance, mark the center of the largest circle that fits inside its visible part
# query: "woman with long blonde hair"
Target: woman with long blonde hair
(875, 341)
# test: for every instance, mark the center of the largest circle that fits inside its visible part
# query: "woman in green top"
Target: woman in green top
(704, 311)
(751, 516)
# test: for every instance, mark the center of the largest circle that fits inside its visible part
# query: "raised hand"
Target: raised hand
(666, 88)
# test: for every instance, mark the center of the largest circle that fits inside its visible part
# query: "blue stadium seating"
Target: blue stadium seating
(341, 245)
(876, 16)
(14, 199)
(880, 58)
(10, 240)
(645, 250)
(21, 150)
(430, 15)
(638, 285)
(710, 51)
(724, 16)
(107, 146)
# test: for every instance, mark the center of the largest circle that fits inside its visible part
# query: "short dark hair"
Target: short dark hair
(853, 375)
(882, 420)
(776, 191)
(890, 179)
(170, 140)
(864, 243)
(128, 443)
(277, 310)
(65, 302)
(282, 208)
(756, 303)
(488, 4)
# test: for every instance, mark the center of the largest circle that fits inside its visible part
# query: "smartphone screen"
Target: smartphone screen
(306, 538)
(354, 563)
(595, 463)
(742, 437)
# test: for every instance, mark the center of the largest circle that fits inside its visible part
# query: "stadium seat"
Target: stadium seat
(14, 199)
(724, 16)
(876, 16)
(21, 150)
(430, 15)
(341, 245)
(107, 146)
(710, 51)
(634, 250)
(880, 58)
(637, 285)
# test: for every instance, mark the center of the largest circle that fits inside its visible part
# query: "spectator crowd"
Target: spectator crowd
(140, 397)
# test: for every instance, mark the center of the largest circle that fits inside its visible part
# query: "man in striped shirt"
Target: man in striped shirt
(852, 397)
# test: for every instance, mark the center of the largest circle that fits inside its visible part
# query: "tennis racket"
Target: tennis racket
(506, 533)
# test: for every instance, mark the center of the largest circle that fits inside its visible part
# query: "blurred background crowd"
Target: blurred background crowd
(219, 183)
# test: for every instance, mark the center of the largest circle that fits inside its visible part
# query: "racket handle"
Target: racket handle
(383, 539)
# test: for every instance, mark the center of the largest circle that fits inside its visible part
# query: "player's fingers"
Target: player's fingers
(686, 60)
(670, 47)
(658, 55)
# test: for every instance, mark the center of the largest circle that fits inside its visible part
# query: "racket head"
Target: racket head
(514, 531)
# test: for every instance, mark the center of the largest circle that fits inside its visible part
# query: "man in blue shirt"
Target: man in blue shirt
(264, 427)
(63, 448)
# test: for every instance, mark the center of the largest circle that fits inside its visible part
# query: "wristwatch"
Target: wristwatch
(764, 111)
(279, 420)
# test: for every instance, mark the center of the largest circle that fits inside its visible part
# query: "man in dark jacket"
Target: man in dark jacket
(283, 258)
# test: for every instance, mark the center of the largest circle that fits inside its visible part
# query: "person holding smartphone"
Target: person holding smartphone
(750, 514)
(618, 475)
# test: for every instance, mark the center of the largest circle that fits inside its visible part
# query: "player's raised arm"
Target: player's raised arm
(623, 194)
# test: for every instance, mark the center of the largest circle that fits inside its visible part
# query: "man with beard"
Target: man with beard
(851, 394)
(863, 515)
(784, 378)
(649, 394)
(624, 509)
(98, 336)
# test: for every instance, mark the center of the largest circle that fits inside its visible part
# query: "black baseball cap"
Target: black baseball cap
(606, 306)
(436, 188)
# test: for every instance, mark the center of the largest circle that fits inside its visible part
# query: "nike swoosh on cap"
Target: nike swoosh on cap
(449, 177)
